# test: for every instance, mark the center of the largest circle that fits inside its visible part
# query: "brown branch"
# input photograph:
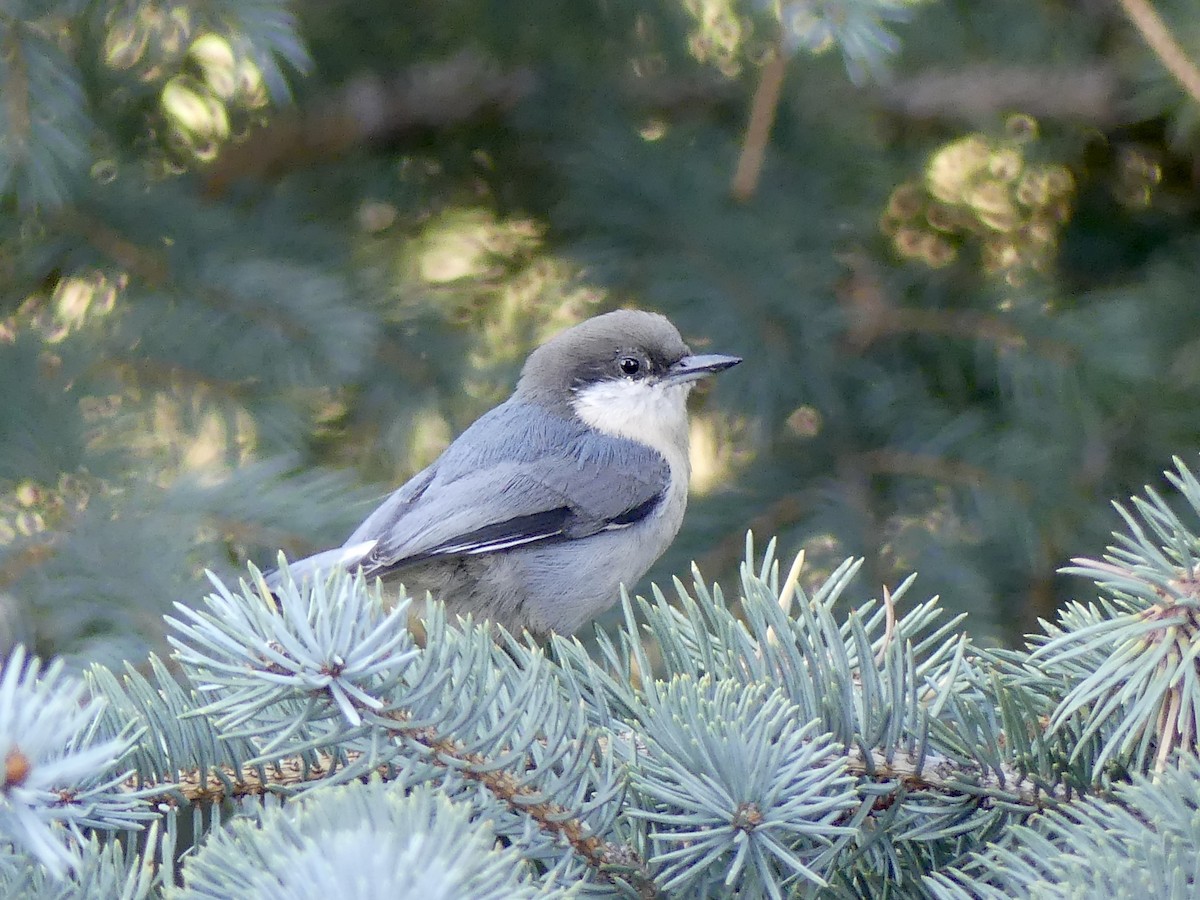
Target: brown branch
(247, 781)
(1041, 599)
(981, 93)
(429, 97)
(16, 92)
(148, 264)
(871, 314)
(371, 109)
(936, 773)
(551, 817)
(758, 129)
(944, 776)
(1167, 727)
(1159, 38)
(961, 324)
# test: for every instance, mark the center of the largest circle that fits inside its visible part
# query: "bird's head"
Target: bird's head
(626, 373)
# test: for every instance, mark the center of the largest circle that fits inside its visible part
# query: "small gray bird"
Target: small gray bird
(542, 508)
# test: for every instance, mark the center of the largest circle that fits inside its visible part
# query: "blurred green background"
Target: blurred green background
(261, 261)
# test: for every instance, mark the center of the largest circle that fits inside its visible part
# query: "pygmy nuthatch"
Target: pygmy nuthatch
(537, 514)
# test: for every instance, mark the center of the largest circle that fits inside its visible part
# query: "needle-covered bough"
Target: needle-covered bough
(786, 740)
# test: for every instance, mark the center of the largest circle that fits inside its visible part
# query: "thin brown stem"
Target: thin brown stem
(148, 264)
(758, 129)
(1168, 727)
(935, 773)
(1159, 38)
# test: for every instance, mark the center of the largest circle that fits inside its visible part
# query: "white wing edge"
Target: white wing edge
(338, 558)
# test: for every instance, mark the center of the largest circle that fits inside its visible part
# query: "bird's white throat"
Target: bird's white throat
(652, 413)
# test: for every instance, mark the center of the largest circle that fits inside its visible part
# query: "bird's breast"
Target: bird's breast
(651, 414)
(654, 415)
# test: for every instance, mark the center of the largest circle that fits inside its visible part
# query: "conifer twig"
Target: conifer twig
(147, 263)
(934, 774)
(1159, 38)
(944, 776)
(758, 129)
(372, 108)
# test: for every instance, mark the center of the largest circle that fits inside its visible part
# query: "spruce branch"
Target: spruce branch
(445, 95)
(779, 741)
(422, 844)
(857, 28)
(774, 745)
(56, 780)
(859, 730)
(936, 773)
(147, 263)
(779, 791)
(43, 117)
(1140, 840)
(505, 785)
(222, 783)
(873, 315)
(124, 869)
(1160, 40)
(287, 644)
(325, 663)
(285, 775)
(914, 718)
(1131, 662)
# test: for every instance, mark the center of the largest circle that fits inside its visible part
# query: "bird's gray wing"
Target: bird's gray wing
(516, 477)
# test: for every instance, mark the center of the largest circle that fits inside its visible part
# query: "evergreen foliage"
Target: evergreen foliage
(232, 320)
(262, 260)
(758, 746)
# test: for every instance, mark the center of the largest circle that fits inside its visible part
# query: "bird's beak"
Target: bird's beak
(692, 368)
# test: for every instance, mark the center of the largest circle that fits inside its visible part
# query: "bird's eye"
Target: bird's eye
(630, 365)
